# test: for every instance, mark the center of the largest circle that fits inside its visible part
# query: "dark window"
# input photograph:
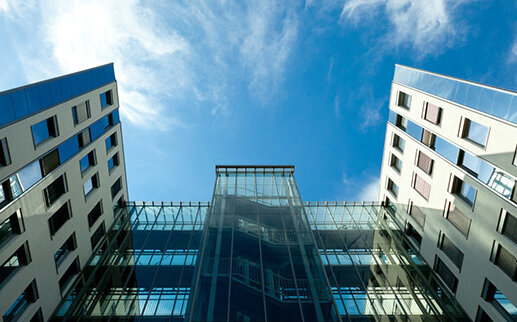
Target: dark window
(428, 138)
(49, 162)
(474, 132)
(458, 219)
(424, 162)
(481, 316)
(44, 130)
(116, 187)
(509, 228)
(10, 227)
(5, 159)
(421, 186)
(395, 163)
(398, 142)
(113, 162)
(37, 317)
(417, 214)
(65, 249)
(446, 275)
(97, 235)
(432, 113)
(55, 190)
(111, 141)
(94, 214)
(84, 138)
(108, 121)
(506, 262)
(401, 123)
(392, 187)
(59, 218)
(453, 252)
(81, 112)
(28, 296)
(413, 234)
(404, 100)
(69, 275)
(20, 258)
(464, 191)
(91, 184)
(88, 161)
(6, 194)
(492, 295)
(106, 99)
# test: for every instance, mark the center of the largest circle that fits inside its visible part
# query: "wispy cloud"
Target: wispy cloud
(512, 54)
(191, 52)
(428, 26)
(369, 191)
(337, 102)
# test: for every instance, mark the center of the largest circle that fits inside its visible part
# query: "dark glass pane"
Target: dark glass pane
(55, 190)
(49, 162)
(40, 132)
(6, 109)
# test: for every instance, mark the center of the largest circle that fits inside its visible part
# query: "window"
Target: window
(81, 112)
(113, 162)
(413, 234)
(97, 235)
(65, 249)
(49, 162)
(432, 113)
(493, 296)
(424, 162)
(84, 138)
(509, 225)
(106, 99)
(515, 158)
(21, 257)
(446, 275)
(395, 163)
(88, 161)
(401, 122)
(452, 252)
(392, 187)
(474, 132)
(44, 130)
(111, 141)
(94, 214)
(421, 186)
(398, 142)
(428, 138)
(417, 214)
(506, 262)
(91, 184)
(28, 296)
(464, 191)
(59, 218)
(10, 227)
(108, 121)
(404, 100)
(55, 190)
(116, 187)
(5, 159)
(458, 219)
(69, 275)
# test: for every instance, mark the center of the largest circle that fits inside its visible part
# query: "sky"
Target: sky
(307, 83)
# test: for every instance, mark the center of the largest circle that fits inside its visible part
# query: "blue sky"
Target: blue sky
(267, 82)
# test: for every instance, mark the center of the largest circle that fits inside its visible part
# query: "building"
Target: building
(449, 169)
(439, 245)
(61, 173)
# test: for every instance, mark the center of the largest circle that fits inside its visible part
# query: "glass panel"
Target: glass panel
(30, 175)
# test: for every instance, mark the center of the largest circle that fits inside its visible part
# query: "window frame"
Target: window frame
(52, 128)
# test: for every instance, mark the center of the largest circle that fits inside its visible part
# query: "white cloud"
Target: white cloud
(512, 57)
(369, 191)
(192, 53)
(337, 102)
(427, 25)
(371, 116)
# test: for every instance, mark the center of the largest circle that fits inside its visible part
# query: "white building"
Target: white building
(450, 168)
(61, 174)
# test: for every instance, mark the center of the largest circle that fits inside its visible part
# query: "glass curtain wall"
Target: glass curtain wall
(258, 260)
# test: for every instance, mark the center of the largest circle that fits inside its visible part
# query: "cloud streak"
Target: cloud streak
(186, 53)
(428, 27)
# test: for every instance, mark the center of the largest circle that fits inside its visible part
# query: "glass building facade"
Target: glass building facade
(256, 252)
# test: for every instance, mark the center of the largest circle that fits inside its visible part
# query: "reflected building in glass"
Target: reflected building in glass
(256, 252)
(449, 170)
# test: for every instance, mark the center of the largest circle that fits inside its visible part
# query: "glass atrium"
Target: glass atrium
(256, 252)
